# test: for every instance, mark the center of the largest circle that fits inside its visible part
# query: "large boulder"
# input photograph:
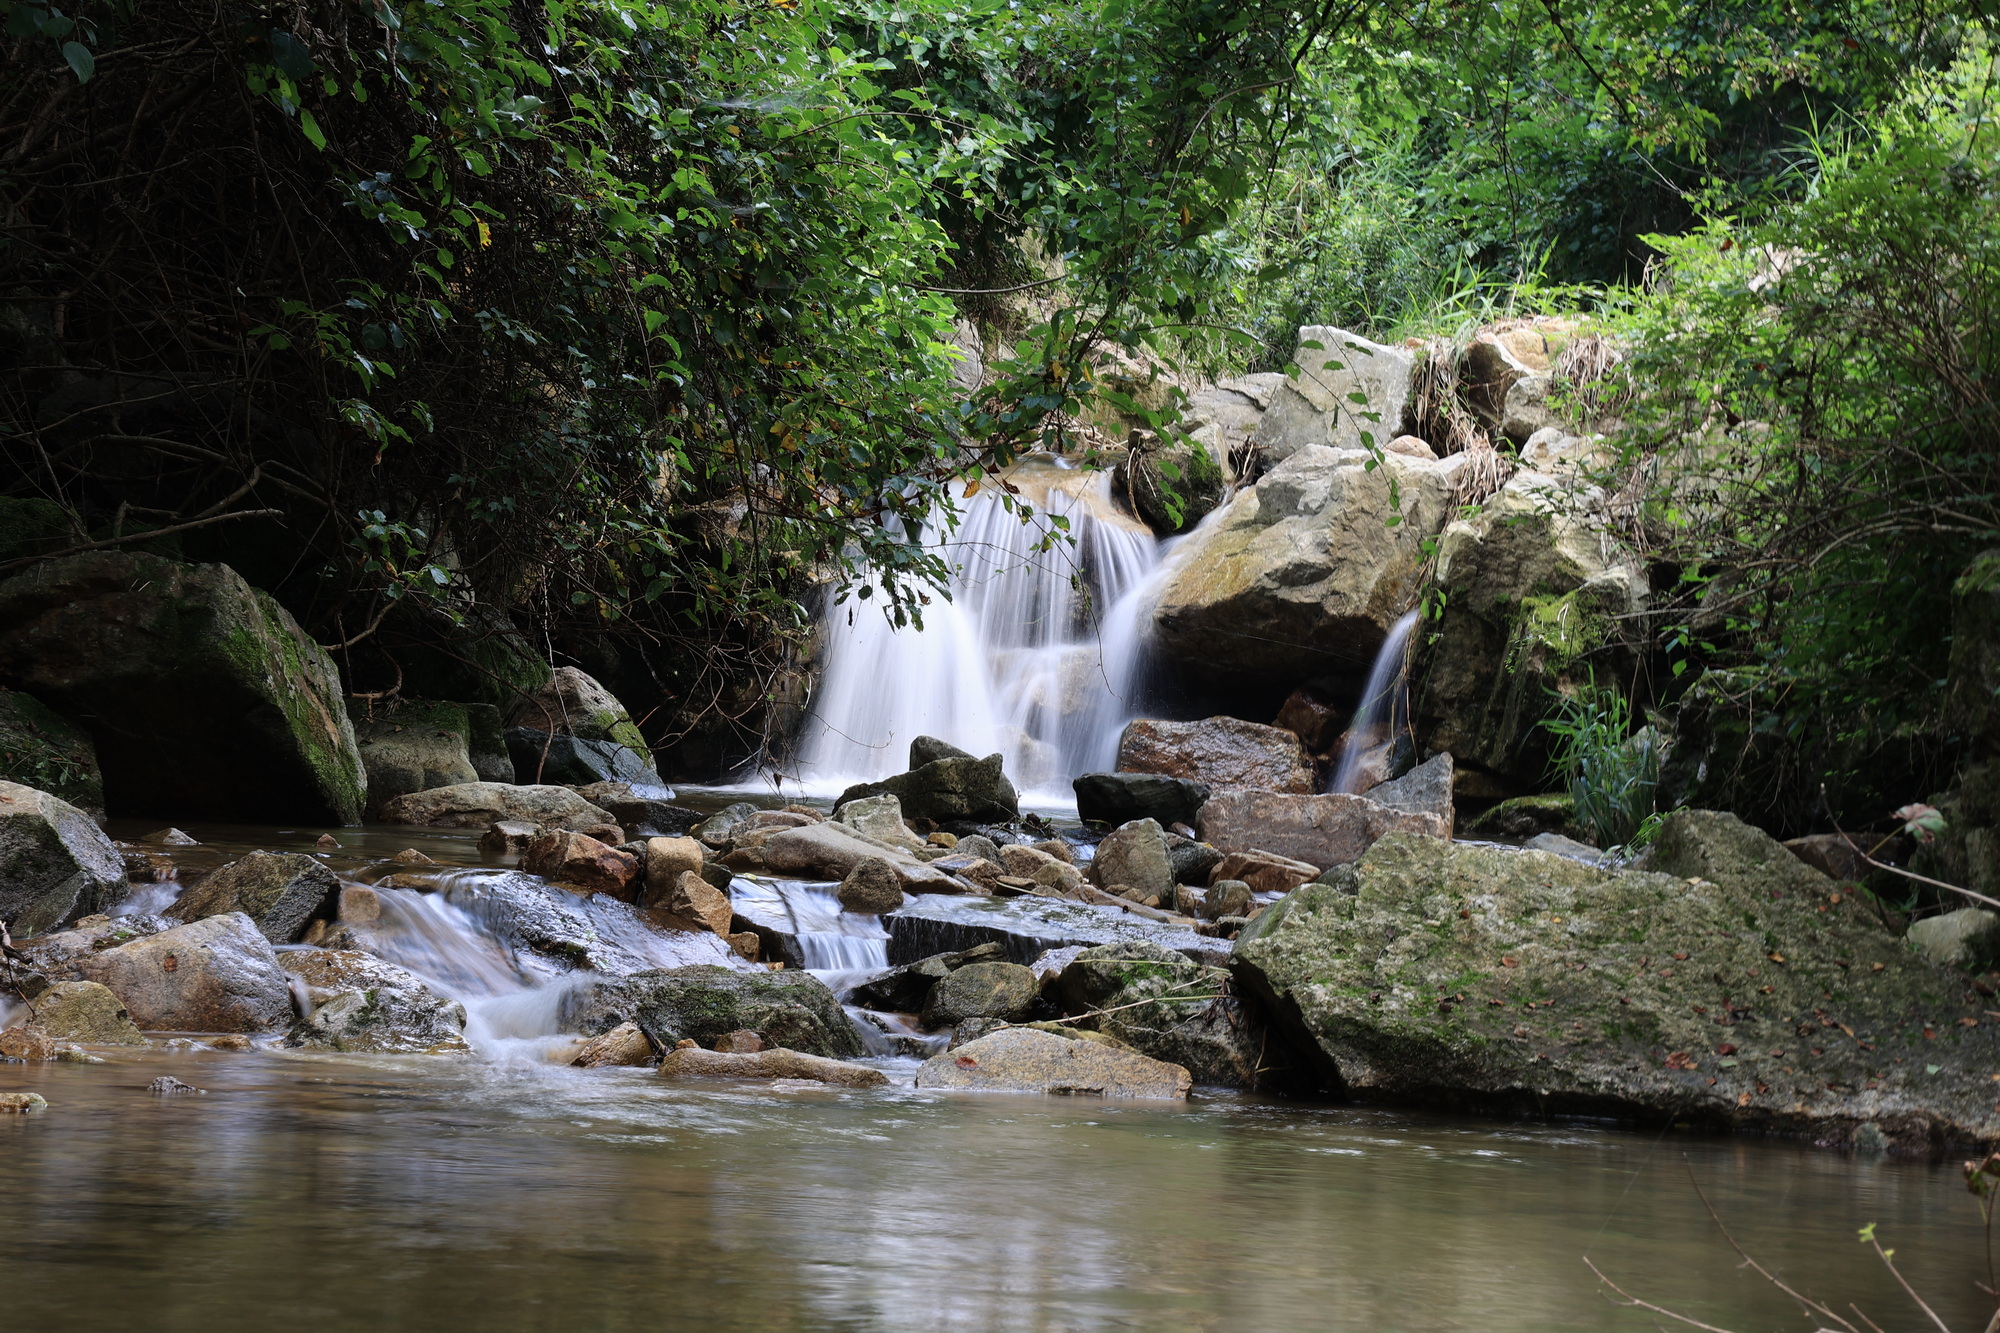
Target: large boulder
(218, 974)
(1319, 405)
(1327, 830)
(1119, 798)
(1305, 572)
(55, 863)
(1225, 415)
(87, 1012)
(791, 1009)
(1753, 994)
(360, 1003)
(1028, 1060)
(1220, 753)
(1507, 374)
(414, 747)
(1166, 1005)
(41, 749)
(1170, 486)
(478, 804)
(574, 704)
(1134, 856)
(981, 990)
(955, 787)
(832, 851)
(639, 813)
(203, 694)
(539, 756)
(1425, 789)
(280, 891)
(1534, 590)
(1030, 926)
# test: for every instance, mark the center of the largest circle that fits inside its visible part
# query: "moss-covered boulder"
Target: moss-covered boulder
(1171, 487)
(42, 749)
(790, 1009)
(1730, 985)
(362, 1004)
(55, 863)
(202, 693)
(574, 704)
(411, 746)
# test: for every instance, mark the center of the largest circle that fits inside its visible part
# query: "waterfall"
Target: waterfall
(1384, 710)
(1037, 654)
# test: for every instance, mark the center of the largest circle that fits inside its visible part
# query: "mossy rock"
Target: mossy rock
(203, 695)
(42, 749)
(1727, 984)
(1165, 1005)
(1171, 487)
(790, 1009)
(413, 745)
(1525, 816)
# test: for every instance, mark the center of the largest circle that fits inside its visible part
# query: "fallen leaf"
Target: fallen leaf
(1510, 962)
(1680, 1060)
(1776, 957)
(1725, 1049)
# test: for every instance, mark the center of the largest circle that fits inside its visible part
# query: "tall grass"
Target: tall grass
(1611, 771)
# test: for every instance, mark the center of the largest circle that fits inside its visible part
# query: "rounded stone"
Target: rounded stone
(873, 886)
(981, 990)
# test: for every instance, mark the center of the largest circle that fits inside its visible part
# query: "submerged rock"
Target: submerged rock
(690, 1061)
(362, 1003)
(202, 693)
(87, 1012)
(625, 1046)
(1327, 830)
(1484, 978)
(793, 1009)
(1167, 1006)
(280, 891)
(1027, 1060)
(1220, 753)
(55, 863)
(1119, 798)
(218, 974)
(478, 804)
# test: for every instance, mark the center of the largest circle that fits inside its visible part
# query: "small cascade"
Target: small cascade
(1037, 655)
(1383, 715)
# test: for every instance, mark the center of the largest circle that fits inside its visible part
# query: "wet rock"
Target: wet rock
(480, 804)
(1327, 830)
(55, 957)
(1966, 938)
(166, 1085)
(218, 974)
(169, 837)
(625, 1046)
(574, 860)
(13, 1103)
(981, 990)
(929, 749)
(831, 851)
(1134, 856)
(202, 693)
(951, 788)
(880, 818)
(1057, 848)
(1025, 1060)
(791, 1009)
(1317, 406)
(1028, 927)
(326, 842)
(408, 747)
(28, 1043)
(55, 863)
(740, 1042)
(1831, 855)
(1165, 1005)
(410, 856)
(1424, 790)
(1191, 862)
(693, 899)
(979, 845)
(903, 990)
(1261, 872)
(362, 1003)
(1170, 486)
(1316, 723)
(720, 828)
(1524, 817)
(1221, 753)
(667, 859)
(542, 757)
(872, 887)
(87, 1012)
(1301, 574)
(1486, 978)
(280, 891)
(776, 1063)
(574, 704)
(508, 837)
(1119, 798)
(644, 811)
(42, 749)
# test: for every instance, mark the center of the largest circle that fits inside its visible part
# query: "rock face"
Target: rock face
(1119, 798)
(692, 898)
(946, 789)
(981, 990)
(1327, 830)
(280, 891)
(55, 863)
(1506, 375)
(41, 749)
(774, 1063)
(364, 1004)
(415, 747)
(1221, 753)
(1965, 938)
(1171, 487)
(881, 819)
(1316, 406)
(87, 1012)
(1025, 1060)
(1477, 977)
(218, 974)
(203, 694)
(574, 704)
(1165, 1005)
(541, 757)
(1303, 573)
(1531, 586)
(477, 804)
(1134, 856)
(577, 861)
(1425, 789)
(793, 1009)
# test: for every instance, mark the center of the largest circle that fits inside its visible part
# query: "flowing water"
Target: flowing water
(1384, 710)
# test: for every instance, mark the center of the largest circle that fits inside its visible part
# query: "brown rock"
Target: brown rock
(508, 837)
(608, 834)
(410, 856)
(87, 1012)
(168, 837)
(1027, 1060)
(1323, 831)
(872, 887)
(829, 851)
(577, 861)
(1134, 856)
(360, 905)
(326, 842)
(27, 1043)
(1317, 724)
(668, 858)
(1057, 848)
(1226, 753)
(1831, 855)
(694, 899)
(624, 1046)
(478, 804)
(218, 974)
(687, 1061)
(745, 943)
(740, 1042)
(1262, 872)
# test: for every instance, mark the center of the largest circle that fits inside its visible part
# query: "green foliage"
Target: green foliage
(1611, 771)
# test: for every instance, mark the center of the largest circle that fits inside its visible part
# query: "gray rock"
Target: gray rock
(280, 891)
(87, 1012)
(880, 818)
(720, 827)
(413, 747)
(1316, 406)
(478, 804)
(55, 863)
(904, 989)
(872, 887)
(791, 1009)
(508, 837)
(361, 1003)
(831, 851)
(1968, 937)
(1424, 790)
(979, 845)
(1028, 927)
(1166, 1005)
(1557, 845)
(772, 1063)
(929, 749)
(218, 974)
(1118, 798)
(1026, 1060)
(574, 704)
(642, 812)
(1327, 830)
(981, 990)
(202, 693)
(541, 757)
(1134, 856)
(948, 789)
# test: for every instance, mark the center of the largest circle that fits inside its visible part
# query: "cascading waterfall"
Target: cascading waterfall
(1037, 655)
(1385, 706)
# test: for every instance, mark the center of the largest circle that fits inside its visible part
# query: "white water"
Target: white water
(1385, 706)
(1037, 655)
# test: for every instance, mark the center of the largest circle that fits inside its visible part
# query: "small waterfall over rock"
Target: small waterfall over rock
(1384, 711)
(1038, 653)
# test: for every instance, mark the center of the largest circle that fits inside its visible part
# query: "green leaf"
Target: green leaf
(80, 60)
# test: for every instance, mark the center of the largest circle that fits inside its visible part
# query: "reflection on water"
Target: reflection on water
(396, 1192)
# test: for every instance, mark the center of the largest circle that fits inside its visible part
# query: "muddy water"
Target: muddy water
(398, 1192)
